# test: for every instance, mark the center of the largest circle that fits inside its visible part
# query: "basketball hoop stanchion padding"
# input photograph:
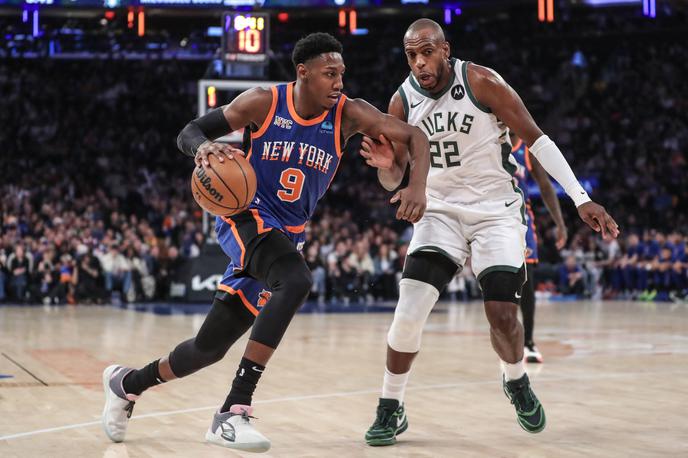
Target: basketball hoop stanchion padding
(221, 93)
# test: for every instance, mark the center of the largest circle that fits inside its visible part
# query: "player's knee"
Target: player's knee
(416, 299)
(503, 318)
(290, 274)
(503, 286)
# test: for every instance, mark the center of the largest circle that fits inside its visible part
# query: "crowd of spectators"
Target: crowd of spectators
(94, 197)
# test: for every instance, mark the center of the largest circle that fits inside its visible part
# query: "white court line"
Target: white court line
(350, 393)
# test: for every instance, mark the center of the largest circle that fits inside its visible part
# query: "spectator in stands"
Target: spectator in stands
(571, 277)
(20, 267)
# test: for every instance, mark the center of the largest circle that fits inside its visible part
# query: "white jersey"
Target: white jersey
(470, 153)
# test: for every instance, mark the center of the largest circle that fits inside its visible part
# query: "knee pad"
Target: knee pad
(430, 267)
(290, 271)
(416, 300)
(503, 286)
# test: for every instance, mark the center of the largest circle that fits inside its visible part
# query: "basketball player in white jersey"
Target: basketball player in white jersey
(473, 209)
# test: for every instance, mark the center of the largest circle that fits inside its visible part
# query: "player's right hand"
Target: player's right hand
(377, 154)
(220, 150)
(598, 219)
(412, 203)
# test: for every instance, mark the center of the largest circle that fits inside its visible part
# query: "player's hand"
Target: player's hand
(379, 155)
(562, 237)
(599, 220)
(220, 150)
(412, 203)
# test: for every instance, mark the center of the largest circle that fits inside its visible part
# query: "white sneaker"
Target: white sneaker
(233, 430)
(531, 354)
(118, 404)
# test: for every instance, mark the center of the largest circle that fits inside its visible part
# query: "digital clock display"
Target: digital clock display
(246, 37)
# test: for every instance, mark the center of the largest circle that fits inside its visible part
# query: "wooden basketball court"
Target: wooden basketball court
(614, 383)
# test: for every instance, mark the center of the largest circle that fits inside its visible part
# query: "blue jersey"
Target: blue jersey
(295, 160)
(522, 156)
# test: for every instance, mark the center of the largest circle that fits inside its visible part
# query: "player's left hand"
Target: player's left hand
(599, 220)
(562, 237)
(377, 154)
(412, 203)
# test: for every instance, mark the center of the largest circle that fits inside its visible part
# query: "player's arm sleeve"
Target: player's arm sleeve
(549, 156)
(210, 126)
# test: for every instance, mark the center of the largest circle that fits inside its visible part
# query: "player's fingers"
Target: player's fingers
(383, 140)
(367, 142)
(612, 227)
(590, 221)
(365, 153)
(395, 198)
(402, 211)
(599, 218)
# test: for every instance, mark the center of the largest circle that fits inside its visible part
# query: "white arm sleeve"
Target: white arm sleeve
(554, 163)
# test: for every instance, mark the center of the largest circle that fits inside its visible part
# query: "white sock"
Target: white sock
(394, 385)
(513, 371)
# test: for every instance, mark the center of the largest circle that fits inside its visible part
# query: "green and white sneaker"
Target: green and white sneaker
(390, 421)
(529, 411)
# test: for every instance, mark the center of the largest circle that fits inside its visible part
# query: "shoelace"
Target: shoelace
(244, 415)
(383, 416)
(130, 408)
(521, 397)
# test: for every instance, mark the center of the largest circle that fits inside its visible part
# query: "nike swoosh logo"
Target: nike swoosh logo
(414, 106)
(256, 369)
(400, 420)
(510, 203)
(518, 296)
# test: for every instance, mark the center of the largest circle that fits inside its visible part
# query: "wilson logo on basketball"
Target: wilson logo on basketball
(205, 180)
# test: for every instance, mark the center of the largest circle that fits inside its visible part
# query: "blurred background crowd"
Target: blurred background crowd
(94, 196)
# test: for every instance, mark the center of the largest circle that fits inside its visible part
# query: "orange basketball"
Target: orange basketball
(224, 188)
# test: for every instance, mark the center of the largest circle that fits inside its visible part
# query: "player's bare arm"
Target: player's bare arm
(549, 197)
(390, 159)
(197, 137)
(360, 116)
(492, 91)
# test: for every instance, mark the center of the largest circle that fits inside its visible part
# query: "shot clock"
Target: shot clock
(245, 37)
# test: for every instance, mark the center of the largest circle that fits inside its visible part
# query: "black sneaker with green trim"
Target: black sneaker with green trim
(529, 411)
(390, 421)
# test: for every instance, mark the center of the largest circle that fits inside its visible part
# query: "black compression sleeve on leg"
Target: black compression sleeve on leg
(430, 267)
(210, 126)
(290, 281)
(528, 305)
(226, 322)
(503, 286)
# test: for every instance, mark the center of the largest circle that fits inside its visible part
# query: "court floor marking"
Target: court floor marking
(598, 376)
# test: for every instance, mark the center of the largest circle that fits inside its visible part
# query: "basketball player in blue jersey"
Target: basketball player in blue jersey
(529, 166)
(297, 133)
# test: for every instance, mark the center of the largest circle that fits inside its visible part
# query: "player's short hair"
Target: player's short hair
(313, 45)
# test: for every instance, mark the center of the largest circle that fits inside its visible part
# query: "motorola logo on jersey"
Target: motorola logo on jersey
(457, 92)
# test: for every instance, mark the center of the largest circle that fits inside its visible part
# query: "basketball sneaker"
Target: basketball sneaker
(234, 430)
(118, 404)
(389, 422)
(532, 354)
(529, 411)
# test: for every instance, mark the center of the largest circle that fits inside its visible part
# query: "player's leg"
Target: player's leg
(425, 275)
(278, 264)
(226, 322)
(532, 354)
(498, 247)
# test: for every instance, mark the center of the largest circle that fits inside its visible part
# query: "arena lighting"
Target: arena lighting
(447, 16)
(342, 18)
(546, 10)
(212, 96)
(35, 23)
(649, 8)
(352, 21)
(142, 23)
(109, 15)
(283, 17)
(130, 19)
(25, 16)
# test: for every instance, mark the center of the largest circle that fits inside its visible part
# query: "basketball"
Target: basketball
(224, 188)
